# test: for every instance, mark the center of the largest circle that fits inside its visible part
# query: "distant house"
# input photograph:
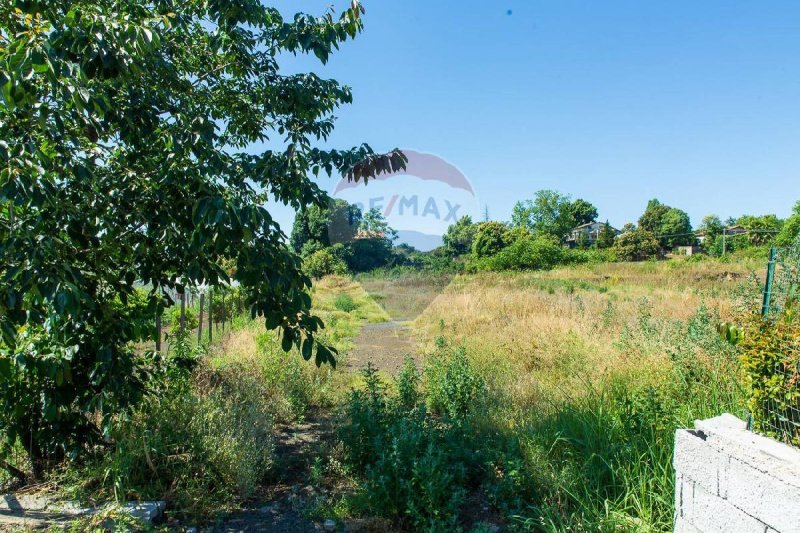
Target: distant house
(729, 231)
(588, 233)
(735, 230)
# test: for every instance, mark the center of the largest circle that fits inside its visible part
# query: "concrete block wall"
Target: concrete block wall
(730, 480)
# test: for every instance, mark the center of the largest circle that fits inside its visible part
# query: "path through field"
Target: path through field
(301, 446)
(385, 345)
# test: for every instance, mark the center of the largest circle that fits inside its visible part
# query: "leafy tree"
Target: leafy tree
(670, 225)
(458, 237)
(790, 229)
(582, 212)
(628, 227)
(652, 216)
(129, 155)
(761, 230)
(676, 229)
(369, 253)
(322, 263)
(318, 227)
(605, 239)
(549, 213)
(636, 245)
(374, 224)
(490, 238)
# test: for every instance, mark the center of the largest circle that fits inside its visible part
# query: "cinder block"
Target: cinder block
(695, 459)
(687, 498)
(712, 514)
(685, 526)
(775, 502)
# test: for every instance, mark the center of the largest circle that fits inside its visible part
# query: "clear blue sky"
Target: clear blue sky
(696, 103)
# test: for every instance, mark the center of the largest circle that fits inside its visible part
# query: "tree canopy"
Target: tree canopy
(552, 213)
(670, 225)
(128, 157)
(458, 238)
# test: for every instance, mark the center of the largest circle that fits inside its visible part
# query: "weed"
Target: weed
(344, 302)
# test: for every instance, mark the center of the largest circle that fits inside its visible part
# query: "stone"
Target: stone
(329, 525)
(146, 511)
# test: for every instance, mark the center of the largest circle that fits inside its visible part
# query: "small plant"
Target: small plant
(344, 302)
(452, 384)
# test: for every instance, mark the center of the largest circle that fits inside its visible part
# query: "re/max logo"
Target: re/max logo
(412, 206)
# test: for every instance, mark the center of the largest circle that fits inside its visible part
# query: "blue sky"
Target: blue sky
(696, 103)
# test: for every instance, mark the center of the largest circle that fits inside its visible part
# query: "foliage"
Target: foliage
(202, 444)
(606, 237)
(174, 318)
(549, 213)
(771, 366)
(323, 263)
(670, 225)
(128, 156)
(344, 302)
(490, 238)
(374, 225)
(529, 253)
(317, 226)
(415, 469)
(452, 385)
(582, 212)
(369, 253)
(636, 245)
(761, 230)
(458, 238)
(791, 228)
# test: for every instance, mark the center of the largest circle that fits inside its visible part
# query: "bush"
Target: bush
(414, 468)
(526, 253)
(636, 245)
(453, 388)
(174, 319)
(771, 365)
(202, 442)
(344, 302)
(323, 263)
(490, 238)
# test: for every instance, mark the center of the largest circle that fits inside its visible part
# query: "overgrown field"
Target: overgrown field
(539, 401)
(571, 386)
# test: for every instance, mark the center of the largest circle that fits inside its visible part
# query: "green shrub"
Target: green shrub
(201, 443)
(413, 468)
(527, 253)
(344, 302)
(490, 238)
(174, 319)
(636, 245)
(323, 263)
(771, 365)
(453, 387)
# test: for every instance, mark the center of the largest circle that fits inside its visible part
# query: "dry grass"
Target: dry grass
(541, 333)
(405, 298)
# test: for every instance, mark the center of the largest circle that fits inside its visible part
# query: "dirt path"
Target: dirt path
(385, 345)
(282, 509)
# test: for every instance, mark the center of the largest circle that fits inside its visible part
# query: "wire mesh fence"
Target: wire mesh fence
(776, 413)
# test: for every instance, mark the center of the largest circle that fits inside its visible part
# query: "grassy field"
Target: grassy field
(589, 370)
(540, 401)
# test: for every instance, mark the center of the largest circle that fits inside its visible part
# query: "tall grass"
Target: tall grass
(589, 372)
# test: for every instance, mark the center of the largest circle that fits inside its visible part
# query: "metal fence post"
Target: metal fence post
(200, 322)
(210, 317)
(768, 283)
